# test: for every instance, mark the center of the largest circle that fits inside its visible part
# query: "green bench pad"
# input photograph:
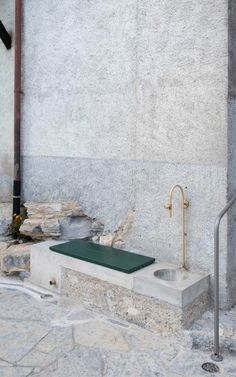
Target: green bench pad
(105, 256)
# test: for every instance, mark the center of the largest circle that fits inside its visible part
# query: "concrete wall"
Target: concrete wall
(6, 104)
(121, 101)
(231, 260)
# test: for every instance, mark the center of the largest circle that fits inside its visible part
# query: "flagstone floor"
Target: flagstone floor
(59, 339)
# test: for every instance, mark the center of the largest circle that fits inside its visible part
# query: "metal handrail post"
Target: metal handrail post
(216, 355)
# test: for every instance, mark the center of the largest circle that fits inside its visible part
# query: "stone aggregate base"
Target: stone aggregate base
(125, 304)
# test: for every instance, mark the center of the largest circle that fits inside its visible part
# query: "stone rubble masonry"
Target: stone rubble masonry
(116, 239)
(61, 220)
(130, 306)
(15, 258)
(67, 220)
(123, 229)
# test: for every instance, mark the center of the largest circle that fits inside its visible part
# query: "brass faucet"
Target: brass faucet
(185, 205)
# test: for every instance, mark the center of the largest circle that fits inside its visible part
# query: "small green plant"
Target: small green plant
(17, 221)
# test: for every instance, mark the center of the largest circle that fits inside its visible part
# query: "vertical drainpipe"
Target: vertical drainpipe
(17, 110)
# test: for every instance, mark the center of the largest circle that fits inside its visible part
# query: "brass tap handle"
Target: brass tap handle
(53, 281)
(186, 203)
(168, 206)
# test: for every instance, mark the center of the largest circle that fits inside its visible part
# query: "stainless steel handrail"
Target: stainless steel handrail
(216, 355)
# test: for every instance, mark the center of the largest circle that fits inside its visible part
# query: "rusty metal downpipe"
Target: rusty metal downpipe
(17, 111)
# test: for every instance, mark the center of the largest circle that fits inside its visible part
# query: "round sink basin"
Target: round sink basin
(171, 274)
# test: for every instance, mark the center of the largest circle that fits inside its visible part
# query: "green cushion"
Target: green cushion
(116, 259)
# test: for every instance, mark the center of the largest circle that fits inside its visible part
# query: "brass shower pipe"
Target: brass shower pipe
(17, 111)
(185, 204)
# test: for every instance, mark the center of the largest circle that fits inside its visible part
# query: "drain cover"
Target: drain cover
(210, 367)
(45, 296)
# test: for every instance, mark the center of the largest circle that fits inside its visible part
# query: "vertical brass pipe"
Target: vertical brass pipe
(185, 205)
(17, 110)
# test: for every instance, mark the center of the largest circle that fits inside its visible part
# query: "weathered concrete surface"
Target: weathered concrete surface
(97, 45)
(231, 260)
(6, 100)
(144, 81)
(5, 217)
(56, 338)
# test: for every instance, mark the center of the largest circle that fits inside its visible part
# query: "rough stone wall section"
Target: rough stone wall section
(14, 257)
(117, 239)
(67, 220)
(144, 311)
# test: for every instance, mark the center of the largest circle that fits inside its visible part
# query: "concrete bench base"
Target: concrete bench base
(138, 297)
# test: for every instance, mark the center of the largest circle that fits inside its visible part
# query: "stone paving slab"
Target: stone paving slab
(15, 306)
(55, 344)
(202, 331)
(39, 338)
(17, 338)
(80, 362)
(15, 372)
